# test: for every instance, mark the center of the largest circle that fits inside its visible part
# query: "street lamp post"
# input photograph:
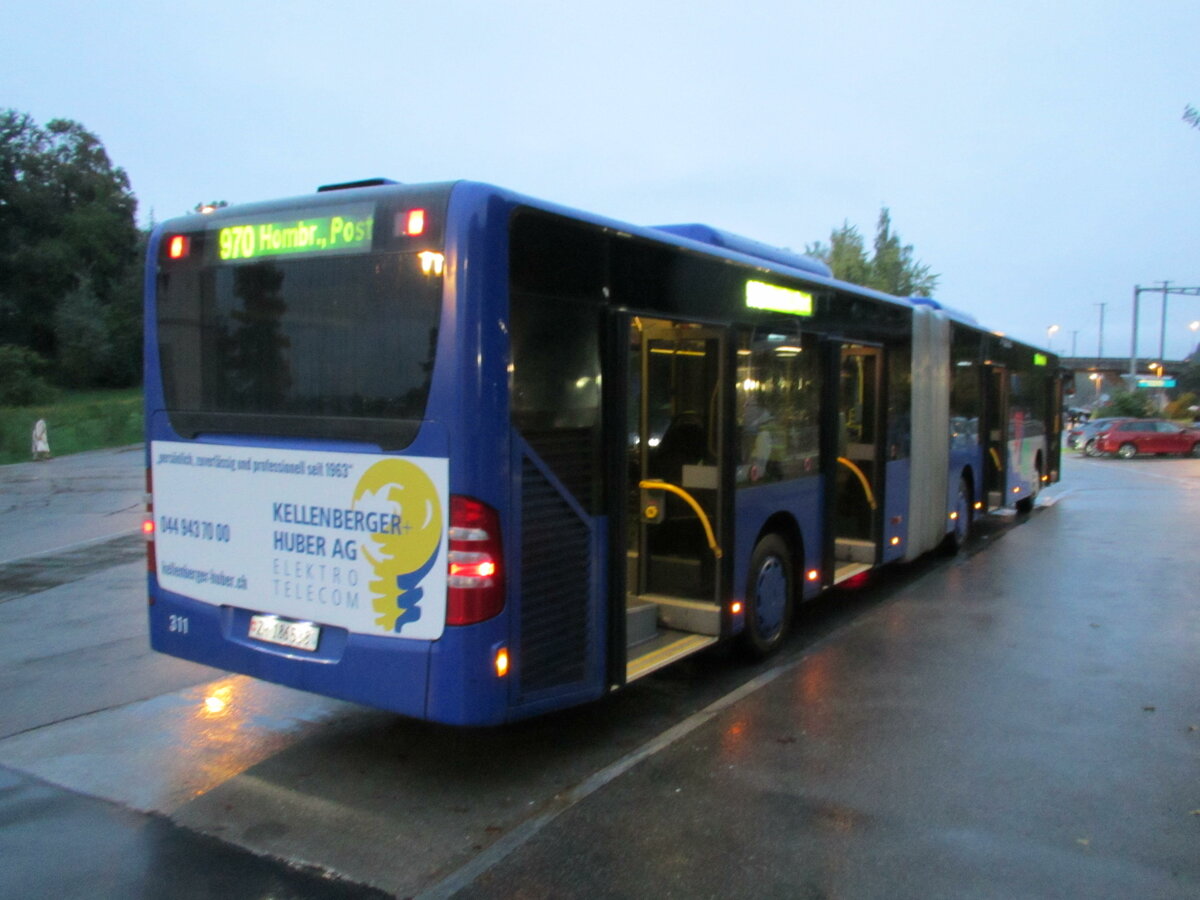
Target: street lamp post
(1049, 336)
(1162, 337)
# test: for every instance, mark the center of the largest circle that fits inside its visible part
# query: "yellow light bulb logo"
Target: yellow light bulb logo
(401, 558)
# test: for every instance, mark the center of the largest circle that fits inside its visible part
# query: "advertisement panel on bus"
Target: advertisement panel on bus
(351, 540)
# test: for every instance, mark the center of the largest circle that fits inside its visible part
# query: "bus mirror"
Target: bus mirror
(653, 505)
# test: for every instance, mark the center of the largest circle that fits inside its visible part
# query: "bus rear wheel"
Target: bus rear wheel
(770, 589)
(961, 529)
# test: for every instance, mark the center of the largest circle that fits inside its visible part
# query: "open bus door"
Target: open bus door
(995, 431)
(854, 512)
(676, 486)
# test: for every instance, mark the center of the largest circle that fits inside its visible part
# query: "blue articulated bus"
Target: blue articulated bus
(468, 456)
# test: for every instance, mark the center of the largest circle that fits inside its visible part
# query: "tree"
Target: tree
(845, 254)
(1191, 115)
(891, 267)
(66, 225)
(1189, 378)
(81, 336)
(21, 382)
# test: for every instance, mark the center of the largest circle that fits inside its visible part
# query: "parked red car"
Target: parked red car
(1129, 437)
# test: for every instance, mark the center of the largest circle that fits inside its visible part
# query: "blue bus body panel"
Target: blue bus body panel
(754, 507)
(558, 585)
(492, 463)
(389, 673)
(383, 672)
(895, 509)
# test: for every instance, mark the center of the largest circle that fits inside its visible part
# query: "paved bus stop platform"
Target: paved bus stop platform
(1022, 720)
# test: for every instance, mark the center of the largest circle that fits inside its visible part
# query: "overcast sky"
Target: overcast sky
(1032, 152)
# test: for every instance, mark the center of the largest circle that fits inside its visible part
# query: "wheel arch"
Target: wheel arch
(786, 527)
(967, 475)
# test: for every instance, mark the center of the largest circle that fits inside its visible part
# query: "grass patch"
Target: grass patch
(87, 420)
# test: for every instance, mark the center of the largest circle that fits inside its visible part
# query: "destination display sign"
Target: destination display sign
(760, 295)
(341, 230)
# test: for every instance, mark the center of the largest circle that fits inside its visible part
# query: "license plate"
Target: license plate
(300, 635)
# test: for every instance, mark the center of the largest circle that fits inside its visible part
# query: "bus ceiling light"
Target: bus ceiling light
(475, 583)
(432, 262)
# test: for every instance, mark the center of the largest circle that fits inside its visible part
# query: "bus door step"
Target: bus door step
(641, 622)
(665, 649)
(854, 550)
(680, 614)
(846, 571)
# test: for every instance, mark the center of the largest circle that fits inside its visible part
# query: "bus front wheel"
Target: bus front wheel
(1025, 504)
(770, 587)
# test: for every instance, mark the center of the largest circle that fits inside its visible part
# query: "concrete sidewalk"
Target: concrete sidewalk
(70, 500)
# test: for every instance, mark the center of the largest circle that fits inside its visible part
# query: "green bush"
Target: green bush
(21, 382)
(79, 421)
(1136, 405)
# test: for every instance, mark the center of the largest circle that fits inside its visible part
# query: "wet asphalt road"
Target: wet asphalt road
(1021, 721)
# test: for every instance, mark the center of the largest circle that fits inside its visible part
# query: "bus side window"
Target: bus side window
(777, 405)
(556, 387)
(899, 413)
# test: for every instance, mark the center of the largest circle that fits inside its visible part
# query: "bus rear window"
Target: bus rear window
(324, 346)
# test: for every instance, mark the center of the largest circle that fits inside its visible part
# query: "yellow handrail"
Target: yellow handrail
(653, 484)
(862, 478)
(995, 458)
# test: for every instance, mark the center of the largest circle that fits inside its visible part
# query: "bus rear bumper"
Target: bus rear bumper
(387, 673)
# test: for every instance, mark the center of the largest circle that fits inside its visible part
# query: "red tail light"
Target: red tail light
(414, 222)
(476, 578)
(148, 527)
(178, 247)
